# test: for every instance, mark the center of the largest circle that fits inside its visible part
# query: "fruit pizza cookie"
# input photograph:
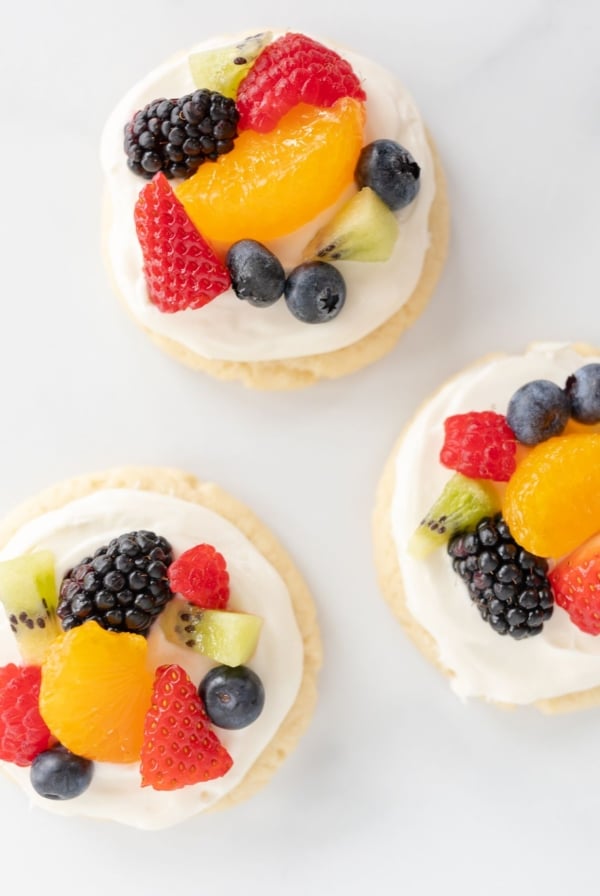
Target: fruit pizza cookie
(158, 649)
(487, 528)
(275, 209)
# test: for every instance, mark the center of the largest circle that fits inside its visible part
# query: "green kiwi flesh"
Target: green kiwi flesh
(223, 635)
(29, 595)
(461, 505)
(223, 68)
(364, 229)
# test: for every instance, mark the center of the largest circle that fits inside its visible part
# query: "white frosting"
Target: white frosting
(232, 330)
(76, 530)
(562, 659)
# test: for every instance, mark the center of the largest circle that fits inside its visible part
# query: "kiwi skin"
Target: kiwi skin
(364, 229)
(461, 505)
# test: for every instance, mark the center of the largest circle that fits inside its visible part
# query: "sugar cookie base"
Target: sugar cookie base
(389, 574)
(295, 373)
(187, 487)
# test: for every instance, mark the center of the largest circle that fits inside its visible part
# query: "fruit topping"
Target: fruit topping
(223, 68)
(177, 136)
(537, 411)
(363, 230)
(256, 274)
(23, 732)
(224, 636)
(200, 575)
(233, 698)
(552, 502)
(583, 391)
(95, 693)
(58, 774)
(273, 183)
(181, 269)
(123, 587)
(390, 170)
(462, 503)
(293, 69)
(480, 445)
(315, 292)
(28, 592)
(180, 747)
(508, 585)
(576, 585)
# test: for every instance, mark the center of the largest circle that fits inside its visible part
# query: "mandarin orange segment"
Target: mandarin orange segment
(552, 502)
(96, 690)
(271, 184)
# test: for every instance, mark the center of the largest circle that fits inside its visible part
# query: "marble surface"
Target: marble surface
(397, 786)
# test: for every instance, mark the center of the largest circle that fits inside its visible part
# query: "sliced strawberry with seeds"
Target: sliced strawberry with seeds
(575, 582)
(180, 746)
(181, 269)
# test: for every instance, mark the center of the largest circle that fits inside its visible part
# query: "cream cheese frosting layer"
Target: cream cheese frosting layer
(79, 528)
(560, 660)
(228, 329)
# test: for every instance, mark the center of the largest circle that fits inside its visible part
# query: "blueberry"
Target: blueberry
(256, 274)
(537, 411)
(390, 170)
(315, 292)
(233, 696)
(583, 390)
(58, 774)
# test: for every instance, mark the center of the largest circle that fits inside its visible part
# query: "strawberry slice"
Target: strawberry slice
(180, 746)
(293, 69)
(576, 585)
(181, 269)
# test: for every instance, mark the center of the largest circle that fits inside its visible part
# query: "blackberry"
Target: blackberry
(508, 585)
(123, 587)
(177, 136)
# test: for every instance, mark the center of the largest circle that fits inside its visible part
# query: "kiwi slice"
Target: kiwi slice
(29, 595)
(223, 635)
(223, 68)
(459, 508)
(364, 229)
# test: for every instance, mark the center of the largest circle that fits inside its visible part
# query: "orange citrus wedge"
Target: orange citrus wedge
(271, 184)
(96, 690)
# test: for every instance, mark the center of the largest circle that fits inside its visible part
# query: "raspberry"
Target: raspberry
(480, 445)
(200, 575)
(576, 585)
(181, 269)
(23, 732)
(179, 745)
(293, 69)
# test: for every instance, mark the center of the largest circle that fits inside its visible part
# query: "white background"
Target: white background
(397, 787)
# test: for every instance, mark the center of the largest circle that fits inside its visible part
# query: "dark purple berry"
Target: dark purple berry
(315, 292)
(389, 170)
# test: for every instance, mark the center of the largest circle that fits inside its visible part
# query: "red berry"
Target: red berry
(179, 747)
(181, 269)
(576, 585)
(293, 69)
(480, 445)
(200, 575)
(23, 732)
